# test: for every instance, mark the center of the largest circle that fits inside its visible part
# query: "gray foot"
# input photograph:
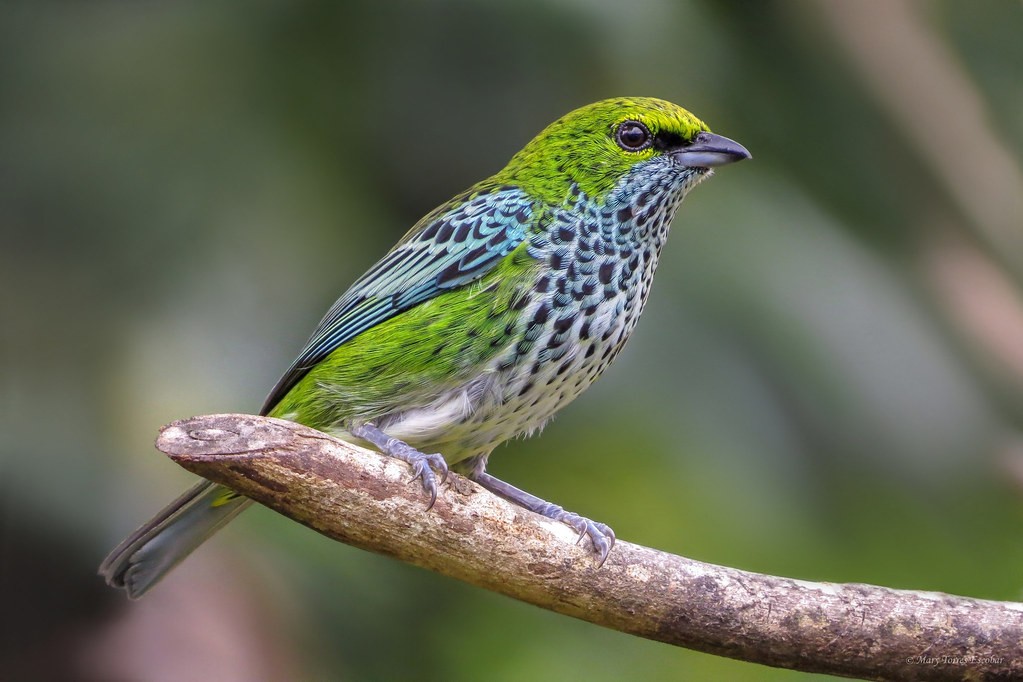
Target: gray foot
(602, 537)
(423, 465)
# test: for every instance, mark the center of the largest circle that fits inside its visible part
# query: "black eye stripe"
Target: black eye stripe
(664, 141)
(632, 136)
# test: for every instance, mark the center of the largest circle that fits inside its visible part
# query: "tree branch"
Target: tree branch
(364, 499)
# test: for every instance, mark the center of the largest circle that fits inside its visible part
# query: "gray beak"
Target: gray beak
(708, 150)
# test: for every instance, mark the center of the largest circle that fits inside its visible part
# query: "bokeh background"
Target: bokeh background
(827, 384)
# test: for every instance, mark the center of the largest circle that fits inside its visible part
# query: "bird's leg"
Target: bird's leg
(423, 465)
(602, 537)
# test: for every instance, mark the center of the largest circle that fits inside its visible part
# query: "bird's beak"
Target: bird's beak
(708, 150)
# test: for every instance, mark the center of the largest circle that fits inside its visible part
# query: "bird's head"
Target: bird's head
(599, 146)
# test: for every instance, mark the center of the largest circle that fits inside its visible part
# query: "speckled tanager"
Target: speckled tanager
(491, 314)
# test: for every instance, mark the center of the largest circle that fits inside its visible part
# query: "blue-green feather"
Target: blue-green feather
(455, 245)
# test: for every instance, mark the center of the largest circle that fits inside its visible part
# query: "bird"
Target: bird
(495, 310)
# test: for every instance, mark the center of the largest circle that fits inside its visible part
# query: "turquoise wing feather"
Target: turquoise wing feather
(448, 249)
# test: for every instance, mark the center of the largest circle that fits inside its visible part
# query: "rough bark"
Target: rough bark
(363, 499)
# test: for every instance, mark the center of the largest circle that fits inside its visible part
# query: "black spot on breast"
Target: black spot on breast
(624, 214)
(606, 272)
(543, 284)
(563, 324)
(566, 233)
(542, 313)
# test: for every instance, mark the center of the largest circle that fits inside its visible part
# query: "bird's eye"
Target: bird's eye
(632, 136)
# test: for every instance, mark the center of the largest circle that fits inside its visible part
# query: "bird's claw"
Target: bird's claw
(423, 466)
(600, 535)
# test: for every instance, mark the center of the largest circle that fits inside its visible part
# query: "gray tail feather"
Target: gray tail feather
(150, 552)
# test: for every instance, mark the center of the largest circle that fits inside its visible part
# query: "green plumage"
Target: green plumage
(492, 313)
(411, 358)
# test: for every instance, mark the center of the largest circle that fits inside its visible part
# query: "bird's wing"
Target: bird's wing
(447, 249)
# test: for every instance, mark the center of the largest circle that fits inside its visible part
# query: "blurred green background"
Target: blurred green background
(827, 384)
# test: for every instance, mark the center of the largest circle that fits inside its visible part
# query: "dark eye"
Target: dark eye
(632, 136)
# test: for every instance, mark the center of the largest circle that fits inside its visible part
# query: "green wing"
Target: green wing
(446, 250)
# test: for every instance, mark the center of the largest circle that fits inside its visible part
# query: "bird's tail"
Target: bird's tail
(150, 552)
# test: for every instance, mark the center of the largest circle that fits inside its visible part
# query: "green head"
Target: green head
(598, 145)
